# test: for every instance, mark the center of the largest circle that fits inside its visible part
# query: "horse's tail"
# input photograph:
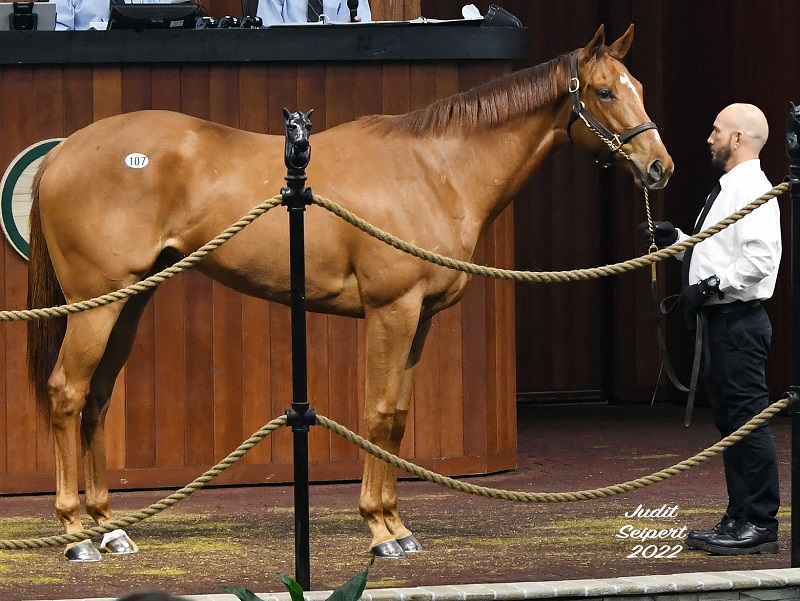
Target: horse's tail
(44, 335)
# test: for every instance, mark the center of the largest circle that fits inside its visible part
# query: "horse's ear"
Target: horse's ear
(593, 47)
(620, 48)
(286, 112)
(308, 114)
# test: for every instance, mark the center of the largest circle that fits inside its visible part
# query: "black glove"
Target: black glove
(665, 233)
(695, 296)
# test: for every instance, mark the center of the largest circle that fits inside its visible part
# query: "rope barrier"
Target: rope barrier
(157, 507)
(157, 279)
(153, 281)
(545, 276)
(564, 497)
(191, 260)
(422, 473)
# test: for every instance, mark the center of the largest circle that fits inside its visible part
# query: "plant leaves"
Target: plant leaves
(295, 590)
(353, 588)
(242, 593)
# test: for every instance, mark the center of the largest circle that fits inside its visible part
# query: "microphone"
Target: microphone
(353, 6)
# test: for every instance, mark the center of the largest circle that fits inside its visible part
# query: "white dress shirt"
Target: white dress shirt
(78, 14)
(746, 255)
(274, 12)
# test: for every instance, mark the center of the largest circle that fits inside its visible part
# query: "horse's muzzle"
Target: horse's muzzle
(657, 175)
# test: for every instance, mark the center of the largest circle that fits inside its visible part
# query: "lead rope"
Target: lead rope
(701, 334)
(653, 279)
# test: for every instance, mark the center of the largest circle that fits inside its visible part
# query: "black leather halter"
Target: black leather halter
(612, 140)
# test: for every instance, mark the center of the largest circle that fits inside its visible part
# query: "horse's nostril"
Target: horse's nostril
(656, 170)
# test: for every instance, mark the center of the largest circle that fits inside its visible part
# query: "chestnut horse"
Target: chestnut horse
(446, 171)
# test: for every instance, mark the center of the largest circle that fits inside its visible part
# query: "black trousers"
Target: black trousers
(737, 389)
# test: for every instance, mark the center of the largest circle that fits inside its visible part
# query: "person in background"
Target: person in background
(275, 12)
(80, 14)
(725, 279)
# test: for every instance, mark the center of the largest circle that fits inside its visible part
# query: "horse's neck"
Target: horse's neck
(492, 165)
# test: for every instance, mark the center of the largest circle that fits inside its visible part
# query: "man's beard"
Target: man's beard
(720, 158)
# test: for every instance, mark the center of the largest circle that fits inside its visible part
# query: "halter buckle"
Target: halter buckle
(615, 143)
(574, 85)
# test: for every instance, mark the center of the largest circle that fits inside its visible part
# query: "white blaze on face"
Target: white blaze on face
(626, 81)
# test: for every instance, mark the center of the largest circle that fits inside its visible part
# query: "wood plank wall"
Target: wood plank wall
(210, 366)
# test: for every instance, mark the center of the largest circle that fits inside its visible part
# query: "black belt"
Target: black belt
(732, 307)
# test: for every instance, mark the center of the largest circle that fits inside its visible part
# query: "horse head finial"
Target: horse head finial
(793, 132)
(297, 151)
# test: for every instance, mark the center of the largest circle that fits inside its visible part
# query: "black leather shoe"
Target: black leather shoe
(747, 538)
(726, 525)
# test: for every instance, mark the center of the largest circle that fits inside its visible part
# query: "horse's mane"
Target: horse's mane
(489, 104)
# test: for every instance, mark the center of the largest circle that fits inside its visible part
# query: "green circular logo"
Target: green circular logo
(15, 193)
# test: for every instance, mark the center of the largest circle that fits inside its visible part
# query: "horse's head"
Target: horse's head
(608, 115)
(298, 146)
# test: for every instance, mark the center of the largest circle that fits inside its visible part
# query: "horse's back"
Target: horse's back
(148, 180)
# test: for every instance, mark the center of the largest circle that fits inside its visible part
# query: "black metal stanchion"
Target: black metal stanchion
(793, 150)
(296, 196)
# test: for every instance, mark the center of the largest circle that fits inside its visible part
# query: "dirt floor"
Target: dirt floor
(239, 537)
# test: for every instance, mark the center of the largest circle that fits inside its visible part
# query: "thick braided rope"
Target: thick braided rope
(563, 497)
(506, 495)
(153, 281)
(545, 276)
(155, 508)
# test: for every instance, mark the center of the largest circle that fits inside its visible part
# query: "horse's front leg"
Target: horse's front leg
(407, 541)
(390, 332)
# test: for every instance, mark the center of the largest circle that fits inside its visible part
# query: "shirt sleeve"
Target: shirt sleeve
(757, 235)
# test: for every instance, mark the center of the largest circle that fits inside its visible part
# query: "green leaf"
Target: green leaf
(295, 590)
(353, 588)
(242, 593)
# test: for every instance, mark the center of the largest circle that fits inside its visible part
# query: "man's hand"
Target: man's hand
(695, 296)
(664, 232)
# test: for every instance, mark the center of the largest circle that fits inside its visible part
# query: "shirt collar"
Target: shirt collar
(744, 169)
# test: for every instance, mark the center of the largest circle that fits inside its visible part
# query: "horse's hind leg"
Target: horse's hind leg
(118, 348)
(68, 387)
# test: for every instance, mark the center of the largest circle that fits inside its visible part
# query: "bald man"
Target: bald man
(725, 279)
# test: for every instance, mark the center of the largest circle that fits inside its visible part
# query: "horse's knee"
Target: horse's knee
(370, 506)
(68, 508)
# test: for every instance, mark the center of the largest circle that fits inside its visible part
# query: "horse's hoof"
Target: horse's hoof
(83, 552)
(409, 544)
(391, 549)
(117, 542)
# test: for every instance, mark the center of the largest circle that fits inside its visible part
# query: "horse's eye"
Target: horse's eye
(605, 94)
